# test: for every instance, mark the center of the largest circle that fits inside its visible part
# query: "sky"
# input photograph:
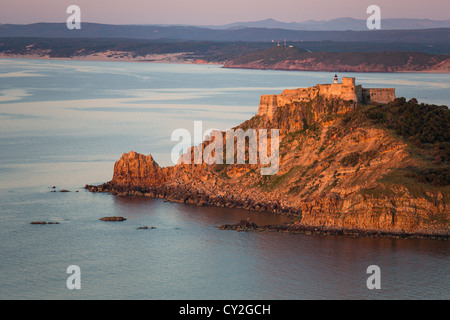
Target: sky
(214, 12)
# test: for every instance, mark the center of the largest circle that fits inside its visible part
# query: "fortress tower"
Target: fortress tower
(347, 90)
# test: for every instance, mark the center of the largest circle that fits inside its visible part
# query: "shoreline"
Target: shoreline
(156, 58)
(181, 196)
(177, 58)
(337, 70)
(299, 228)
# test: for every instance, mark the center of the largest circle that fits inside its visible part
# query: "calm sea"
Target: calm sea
(65, 123)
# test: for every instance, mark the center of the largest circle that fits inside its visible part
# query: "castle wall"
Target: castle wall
(267, 104)
(292, 95)
(347, 90)
(384, 95)
(337, 90)
(349, 82)
(362, 94)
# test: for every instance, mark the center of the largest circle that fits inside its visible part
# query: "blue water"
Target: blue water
(65, 123)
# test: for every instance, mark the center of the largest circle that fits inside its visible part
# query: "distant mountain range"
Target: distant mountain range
(339, 24)
(153, 32)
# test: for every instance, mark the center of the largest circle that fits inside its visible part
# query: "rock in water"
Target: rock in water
(243, 225)
(112, 219)
(247, 224)
(43, 222)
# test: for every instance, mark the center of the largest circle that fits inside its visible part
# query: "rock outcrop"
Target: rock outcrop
(243, 225)
(137, 169)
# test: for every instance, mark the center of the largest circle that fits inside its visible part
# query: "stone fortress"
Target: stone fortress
(347, 90)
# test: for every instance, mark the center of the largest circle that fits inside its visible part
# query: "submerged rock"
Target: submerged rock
(145, 228)
(43, 222)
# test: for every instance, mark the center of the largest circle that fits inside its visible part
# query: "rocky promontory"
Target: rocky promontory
(342, 166)
(294, 59)
(298, 227)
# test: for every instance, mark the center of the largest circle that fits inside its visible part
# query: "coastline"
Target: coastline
(199, 200)
(335, 70)
(175, 58)
(299, 228)
(181, 58)
(180, 195)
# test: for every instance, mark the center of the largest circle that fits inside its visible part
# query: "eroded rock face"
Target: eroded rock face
(135, 169)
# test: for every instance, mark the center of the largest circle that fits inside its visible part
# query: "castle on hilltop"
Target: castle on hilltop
(347, 90)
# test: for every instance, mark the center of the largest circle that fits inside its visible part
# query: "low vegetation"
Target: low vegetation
(426, 128)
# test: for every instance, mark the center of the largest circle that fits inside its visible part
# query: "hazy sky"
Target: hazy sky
(214, 12)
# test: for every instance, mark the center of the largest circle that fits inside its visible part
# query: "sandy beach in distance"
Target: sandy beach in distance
(173, 58)
(181, 57)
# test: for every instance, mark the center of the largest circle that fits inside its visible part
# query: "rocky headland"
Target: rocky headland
(345, 167)
(294, 59)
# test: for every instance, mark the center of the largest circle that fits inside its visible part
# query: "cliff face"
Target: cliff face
(338, 169)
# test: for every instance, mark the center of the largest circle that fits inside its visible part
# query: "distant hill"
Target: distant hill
(290, 58)
(211, 51)
(94, 30)
(340, 24)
